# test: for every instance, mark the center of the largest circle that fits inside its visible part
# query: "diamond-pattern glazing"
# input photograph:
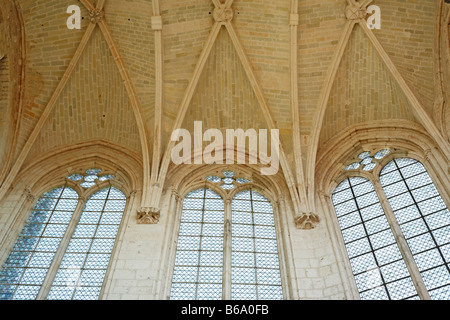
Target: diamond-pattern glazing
(27, 265)
(375, 258)
(199, 258)
(424, 220)
(255, 264)
(200, 250)
(83, 268)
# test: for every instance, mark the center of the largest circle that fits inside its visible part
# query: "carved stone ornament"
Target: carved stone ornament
(148, 216)
(95, 16)
(29, 195)
(307, 221)
(355, 12)
(223, 14)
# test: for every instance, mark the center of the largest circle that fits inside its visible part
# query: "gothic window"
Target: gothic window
(27, 265)
(375, 258)
(83, 268)
(199, 260)
(424, 220)
(373, 240)
(80, 275)
(254, 262)
(227, 249)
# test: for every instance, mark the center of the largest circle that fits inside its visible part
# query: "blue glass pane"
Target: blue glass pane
(27, 265)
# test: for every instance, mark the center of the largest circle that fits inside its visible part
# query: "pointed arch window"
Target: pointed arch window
(227, 248)
(424, 221)
(255, 265)
(375, 258)
(199, 260)
(413, 210)
(27, 266)
(83, 267)
(31, 270)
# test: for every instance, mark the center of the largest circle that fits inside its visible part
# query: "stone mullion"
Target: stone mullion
(227, 242)
(401, 242)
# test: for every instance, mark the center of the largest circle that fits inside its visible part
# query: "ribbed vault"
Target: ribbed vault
(93, 106)
(224, 98)
(148, 67)
(363, 90)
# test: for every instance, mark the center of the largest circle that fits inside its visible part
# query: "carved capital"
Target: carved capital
(82, 199)
(133, 193)
(307, 221)
(223, 14)
(148, 215)
(355, 12)
(427, 155)
(174, 192)
(281, 199)
(29, 195)
(95, 16)
(324, 194)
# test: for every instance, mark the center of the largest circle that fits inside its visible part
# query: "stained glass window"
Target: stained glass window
(255, 265)
(377, 264)
(199, 259)
(424, 220)
(27, 266)
(83, 268)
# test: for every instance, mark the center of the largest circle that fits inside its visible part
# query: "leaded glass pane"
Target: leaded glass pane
(255, 265)
(424, 220)
(26, 267)
(381, 154)
(199, 258)
(364, 155)
(213, 179)
(83, 268)
(353, 166)
(375, 258)
(369, 166)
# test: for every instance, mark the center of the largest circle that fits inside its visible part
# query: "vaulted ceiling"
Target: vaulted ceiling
(301, 66)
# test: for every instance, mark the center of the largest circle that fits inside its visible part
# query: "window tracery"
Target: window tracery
(86, 258)
(419, 215)
(237, 235)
